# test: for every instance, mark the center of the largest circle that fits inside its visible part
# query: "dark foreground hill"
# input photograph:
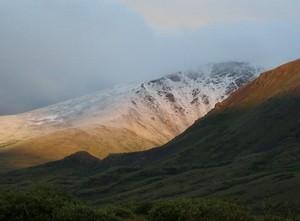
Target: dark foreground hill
(247, 148)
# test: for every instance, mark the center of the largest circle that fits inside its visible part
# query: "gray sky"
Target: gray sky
(52, 50)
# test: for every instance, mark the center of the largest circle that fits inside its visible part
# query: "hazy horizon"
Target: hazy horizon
(53, 50)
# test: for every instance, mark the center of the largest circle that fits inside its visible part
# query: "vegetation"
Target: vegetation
(193, 210)
(246, 149)
(47, 204)
(241, 157)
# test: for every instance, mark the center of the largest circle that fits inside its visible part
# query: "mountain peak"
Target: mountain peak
(81, 162)
(124, 118)
(81, 157)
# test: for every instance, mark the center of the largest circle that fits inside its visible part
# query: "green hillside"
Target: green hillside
(247, 148)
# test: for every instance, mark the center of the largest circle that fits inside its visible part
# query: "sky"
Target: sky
(53, 50)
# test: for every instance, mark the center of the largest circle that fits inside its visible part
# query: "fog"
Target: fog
(53, 50)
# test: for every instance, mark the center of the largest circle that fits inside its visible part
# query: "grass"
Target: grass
(48, 204)
(249, 153)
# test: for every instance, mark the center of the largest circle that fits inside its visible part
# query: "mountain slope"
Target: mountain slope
(261, 116)
(247, 148)
(121, 119)
(258, 117)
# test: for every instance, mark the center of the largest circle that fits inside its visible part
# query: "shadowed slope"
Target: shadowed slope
(121, 119)
(259, 116)
(248, 147)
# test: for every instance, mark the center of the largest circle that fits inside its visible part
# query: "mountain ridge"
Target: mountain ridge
(279, 81)
(249, 154)
(121, 119)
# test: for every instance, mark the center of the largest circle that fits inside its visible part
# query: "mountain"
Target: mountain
(120, 119)
(246, 148)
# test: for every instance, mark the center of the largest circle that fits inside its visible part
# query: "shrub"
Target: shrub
(48, 204)
(83, 212)
(194, 210)
(36, 204)
(120, 211)
(280, 211)
(143, 208)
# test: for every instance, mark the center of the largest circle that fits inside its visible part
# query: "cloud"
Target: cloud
(198, 13)
(52, 50)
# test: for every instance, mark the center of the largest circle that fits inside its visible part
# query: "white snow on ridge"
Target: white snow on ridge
(157, 110)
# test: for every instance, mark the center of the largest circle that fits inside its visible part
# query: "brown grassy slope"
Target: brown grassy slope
(275, 83)
(99, 141)
(248, 148)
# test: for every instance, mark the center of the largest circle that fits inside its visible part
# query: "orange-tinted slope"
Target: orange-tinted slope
(282, 81)
(248, 148)
(261, 116)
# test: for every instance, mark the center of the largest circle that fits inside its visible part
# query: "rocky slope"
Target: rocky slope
(247, 148)
(120, 119)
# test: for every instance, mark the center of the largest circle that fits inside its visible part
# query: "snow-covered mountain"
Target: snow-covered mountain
(123, 118)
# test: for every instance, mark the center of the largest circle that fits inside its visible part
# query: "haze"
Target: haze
(53, 50)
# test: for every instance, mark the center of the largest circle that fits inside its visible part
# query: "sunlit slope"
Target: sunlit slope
(121, 119)
(57, 145)
(262, 116)
(247, 148)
